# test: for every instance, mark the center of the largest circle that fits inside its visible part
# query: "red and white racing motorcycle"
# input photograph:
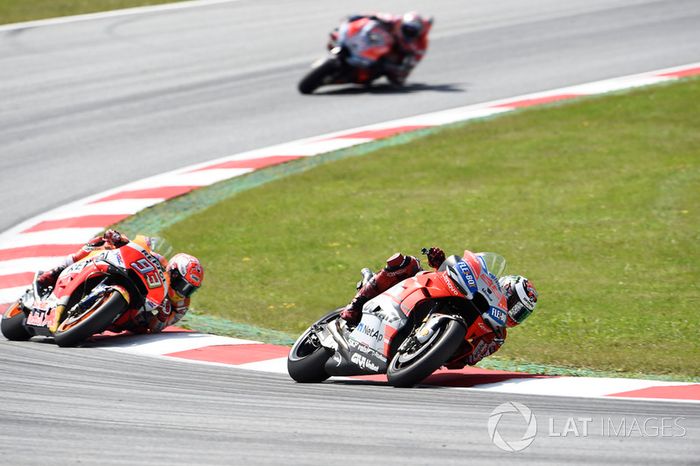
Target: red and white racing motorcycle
(97, 292)
(412, 329)
(356, 49)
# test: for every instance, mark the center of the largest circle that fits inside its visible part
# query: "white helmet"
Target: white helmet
(521, 296)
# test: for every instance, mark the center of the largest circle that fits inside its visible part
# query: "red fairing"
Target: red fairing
(68, 282)
(423, 286)
(355, 27)
(381, 44)
(411, 293)
(132, 256)
(474, 263)
(149, 268)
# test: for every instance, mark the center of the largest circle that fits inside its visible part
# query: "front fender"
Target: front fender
(123, 291)
(58, 312)
(435, 321)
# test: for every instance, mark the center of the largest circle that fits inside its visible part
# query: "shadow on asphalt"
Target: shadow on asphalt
(386, 88)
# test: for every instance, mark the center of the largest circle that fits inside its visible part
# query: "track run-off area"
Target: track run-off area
(149, 94)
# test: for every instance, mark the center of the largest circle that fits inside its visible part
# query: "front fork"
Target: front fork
(88, 301)
(423, 334)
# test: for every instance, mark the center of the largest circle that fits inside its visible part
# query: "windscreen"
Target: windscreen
(495, 263)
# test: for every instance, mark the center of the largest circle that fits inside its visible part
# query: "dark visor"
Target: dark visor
(182, 287)
(519, 313)
(410, 31)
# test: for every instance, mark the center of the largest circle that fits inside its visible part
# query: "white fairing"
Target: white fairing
(378, 313)
(370, 332)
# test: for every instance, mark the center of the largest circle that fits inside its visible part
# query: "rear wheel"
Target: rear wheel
(77, 328)
(417, 361)
(317, 76)
(12, 324)
(307, 357)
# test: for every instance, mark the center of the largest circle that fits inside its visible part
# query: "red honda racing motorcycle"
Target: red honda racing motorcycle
(412, 329)
(89, 296)
(355, 51)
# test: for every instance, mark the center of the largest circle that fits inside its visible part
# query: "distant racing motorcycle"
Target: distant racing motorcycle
(412, 329)
(356, 49)
(89, 296)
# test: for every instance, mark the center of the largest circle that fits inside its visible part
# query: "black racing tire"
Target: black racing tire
(12, 324)
(316, 76)
(94, 320)
(406, 371)
(306, 361)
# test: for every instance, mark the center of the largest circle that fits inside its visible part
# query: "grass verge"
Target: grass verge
(14, 11)
(595, 201)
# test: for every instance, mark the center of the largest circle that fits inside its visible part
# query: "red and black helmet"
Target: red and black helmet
(521, 296)
(186, 275)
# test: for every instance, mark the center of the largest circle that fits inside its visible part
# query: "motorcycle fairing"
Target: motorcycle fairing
(357, 359)
(364, 349)
(386, 308)
(45, 314)
(367, 348)
(366, 41)
(42, 317)
(150, 271)
(369, 332)
(76, 275)
(476, 282)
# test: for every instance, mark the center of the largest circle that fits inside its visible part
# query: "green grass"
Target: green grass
(13, 11)
(596, 201)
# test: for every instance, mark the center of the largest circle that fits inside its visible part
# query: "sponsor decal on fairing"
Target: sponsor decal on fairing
(364, 363)
(369, 332)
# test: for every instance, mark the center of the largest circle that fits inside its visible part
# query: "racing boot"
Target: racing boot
(398, 268)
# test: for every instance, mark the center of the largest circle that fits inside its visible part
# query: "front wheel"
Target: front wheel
(418, 361)
(307, 357)
(77, 328)
(12, 324)
(317, 76)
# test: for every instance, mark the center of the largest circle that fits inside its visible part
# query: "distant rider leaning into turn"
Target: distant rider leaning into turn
(520, 294)
(410, 33)
(183, 272)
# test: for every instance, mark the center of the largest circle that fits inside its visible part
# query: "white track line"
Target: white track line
(166, 344)
(112, 14)
(162, 344)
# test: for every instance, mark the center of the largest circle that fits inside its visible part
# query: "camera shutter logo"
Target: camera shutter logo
(528, 436)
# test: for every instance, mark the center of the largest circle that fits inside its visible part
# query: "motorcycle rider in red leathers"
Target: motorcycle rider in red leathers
(183, 272)
(410, 34)
(520, 294)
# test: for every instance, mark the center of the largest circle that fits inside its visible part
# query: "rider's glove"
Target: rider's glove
(95, 242)
(163, 311)
(161, 318)
(408, 63)
(482, 349)
(436, 257)
(115, 238)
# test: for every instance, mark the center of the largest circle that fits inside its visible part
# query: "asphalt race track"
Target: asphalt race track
(138, 95)
(90, 105)
(84, 405)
